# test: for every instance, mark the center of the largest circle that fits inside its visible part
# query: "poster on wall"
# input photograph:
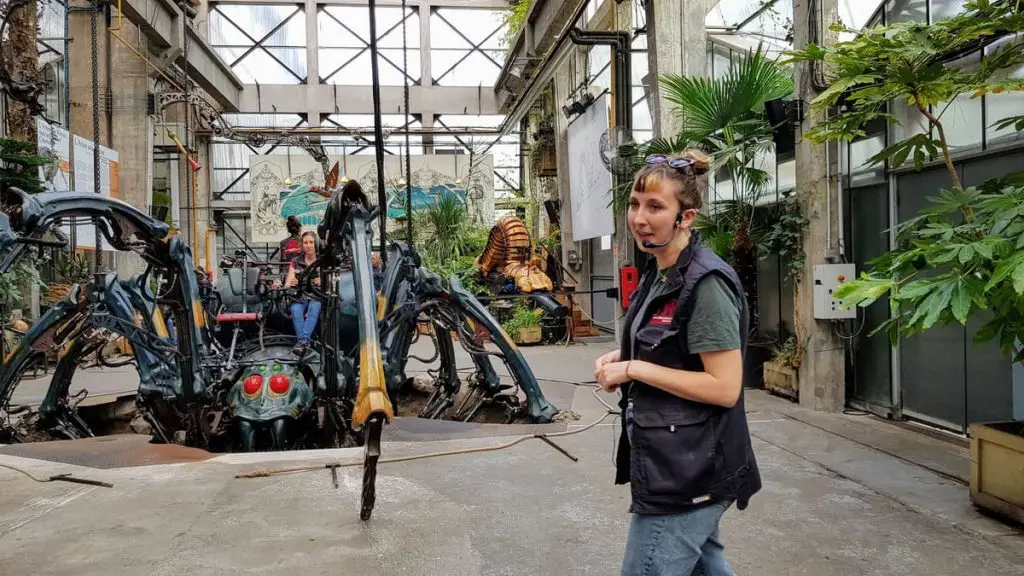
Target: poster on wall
(55, 142)
(109, 185)
(590, 183)
(280, 187)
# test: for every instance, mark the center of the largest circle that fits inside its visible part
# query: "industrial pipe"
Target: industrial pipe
(378, 133)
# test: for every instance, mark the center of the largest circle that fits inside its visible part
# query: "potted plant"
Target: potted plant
(964, 254)
(780, 373)
(524, 327)
(71, 269)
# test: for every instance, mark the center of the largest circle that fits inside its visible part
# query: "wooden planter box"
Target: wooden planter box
(530, 335)
(997, 468)
(781, 380)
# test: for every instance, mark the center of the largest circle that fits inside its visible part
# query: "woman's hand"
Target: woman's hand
(608, 358)
(612, 375)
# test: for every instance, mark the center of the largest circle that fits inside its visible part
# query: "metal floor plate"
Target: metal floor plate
(105, 452)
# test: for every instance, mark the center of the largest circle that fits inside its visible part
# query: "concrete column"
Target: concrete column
(80, 54)
(131, 133)
(822, 373)
(676, 44)
(425, 10)
(312, 62)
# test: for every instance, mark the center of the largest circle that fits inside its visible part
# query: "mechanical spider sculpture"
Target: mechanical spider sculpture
(255, 392)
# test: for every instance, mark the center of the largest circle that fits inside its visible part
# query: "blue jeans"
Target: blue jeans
(677, 544)
(305, 313)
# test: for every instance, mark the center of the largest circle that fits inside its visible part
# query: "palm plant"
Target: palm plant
(725, 117)
(446, 226)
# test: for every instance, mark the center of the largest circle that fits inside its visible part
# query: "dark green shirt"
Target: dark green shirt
(715, 322)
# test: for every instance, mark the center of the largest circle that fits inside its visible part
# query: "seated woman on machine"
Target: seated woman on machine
(306, 309)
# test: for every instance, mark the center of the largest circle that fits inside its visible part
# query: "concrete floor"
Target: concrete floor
(843, 495)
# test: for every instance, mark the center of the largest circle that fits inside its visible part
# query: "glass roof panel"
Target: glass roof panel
(857, 13)
(773, 23)
(743, 24)
(731, 13)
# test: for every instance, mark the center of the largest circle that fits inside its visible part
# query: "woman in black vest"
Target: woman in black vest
(685, 448)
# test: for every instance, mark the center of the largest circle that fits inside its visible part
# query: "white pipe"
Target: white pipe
(828, 199)
(839, 195)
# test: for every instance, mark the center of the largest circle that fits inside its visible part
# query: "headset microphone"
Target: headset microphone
(648, 244)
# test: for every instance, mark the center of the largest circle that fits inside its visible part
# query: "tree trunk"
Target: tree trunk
(24, 61)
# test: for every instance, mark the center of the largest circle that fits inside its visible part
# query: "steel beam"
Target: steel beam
(163, 24)
(331, 99)
(207, 69)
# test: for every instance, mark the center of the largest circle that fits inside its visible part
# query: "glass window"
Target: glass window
(910, 121)
(599, 60)
(860, 152)
(344, 53)
(857, 13)
(349, 27)
(962, 119)
(942, 9)
(1004, 105)
(906, 11)
(786, 178)
(641, 112)
(466, 46)
(261, 43)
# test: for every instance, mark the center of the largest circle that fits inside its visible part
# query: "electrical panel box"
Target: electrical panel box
(828, 277)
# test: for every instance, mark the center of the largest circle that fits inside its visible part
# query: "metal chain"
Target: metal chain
(93, 24)
(408, 150)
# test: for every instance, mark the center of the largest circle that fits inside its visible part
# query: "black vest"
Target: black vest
(685, 453)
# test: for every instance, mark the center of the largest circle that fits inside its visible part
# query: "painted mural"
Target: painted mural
(281, 185)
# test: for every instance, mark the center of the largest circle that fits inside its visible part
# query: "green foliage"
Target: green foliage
(446, 230)
(788, 354)
(16, 284)
(553, 241)
(514, 20)
(785, 236)
(449, 243)
(910, 62)
(716, 232)
(19, 166)
(73, 268)
(522, 317)
(962, 255)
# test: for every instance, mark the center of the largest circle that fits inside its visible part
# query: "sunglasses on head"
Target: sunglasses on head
(677, 163)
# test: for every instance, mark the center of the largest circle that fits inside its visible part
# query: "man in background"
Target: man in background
(291, 246)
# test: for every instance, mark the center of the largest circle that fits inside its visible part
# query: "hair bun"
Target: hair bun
(701, 163)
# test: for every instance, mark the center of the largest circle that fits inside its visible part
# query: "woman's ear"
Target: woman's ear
(686, 218)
